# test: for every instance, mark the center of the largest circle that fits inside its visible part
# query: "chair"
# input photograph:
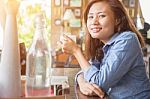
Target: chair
(22, 58)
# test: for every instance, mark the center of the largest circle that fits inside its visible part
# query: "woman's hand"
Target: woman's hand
(89, 89)
(68, 45)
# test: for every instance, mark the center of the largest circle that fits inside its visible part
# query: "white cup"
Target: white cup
(73, 37)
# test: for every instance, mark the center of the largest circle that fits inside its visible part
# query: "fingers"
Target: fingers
(61, 43)
(64, 42)
(98, 91)
(87, 89)
(63, 38)
(91, 90)
(62, 46)
(67, 37)
(68, 45)
(97, 87)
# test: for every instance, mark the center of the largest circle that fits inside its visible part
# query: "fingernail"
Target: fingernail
(57, 42)
(101, 96)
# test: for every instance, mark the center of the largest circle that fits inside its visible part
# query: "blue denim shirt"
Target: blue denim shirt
(121, 74)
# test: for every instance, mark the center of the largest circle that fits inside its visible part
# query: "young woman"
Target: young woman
(114, 62)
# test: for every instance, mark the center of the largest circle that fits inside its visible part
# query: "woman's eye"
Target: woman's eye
(90, 17)
(102, 16)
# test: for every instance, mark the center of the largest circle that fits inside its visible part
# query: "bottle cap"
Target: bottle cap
(40, 21)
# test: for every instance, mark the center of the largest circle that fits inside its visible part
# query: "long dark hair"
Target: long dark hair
(93, 47)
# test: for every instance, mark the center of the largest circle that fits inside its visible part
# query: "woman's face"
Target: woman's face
(101, 21)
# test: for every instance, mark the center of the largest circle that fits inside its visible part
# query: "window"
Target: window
(25, 18)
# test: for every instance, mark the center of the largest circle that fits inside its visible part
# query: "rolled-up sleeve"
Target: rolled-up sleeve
(117, 62)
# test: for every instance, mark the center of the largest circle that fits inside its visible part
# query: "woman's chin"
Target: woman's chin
(95, 36)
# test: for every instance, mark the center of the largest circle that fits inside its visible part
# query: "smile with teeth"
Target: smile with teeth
(97, 29)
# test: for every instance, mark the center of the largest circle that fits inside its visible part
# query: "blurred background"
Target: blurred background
(65, 16)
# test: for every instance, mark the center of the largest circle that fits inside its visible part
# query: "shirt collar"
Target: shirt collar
(112, 40)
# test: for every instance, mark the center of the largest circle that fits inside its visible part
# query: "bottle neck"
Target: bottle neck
(39, 41)
(39, 33)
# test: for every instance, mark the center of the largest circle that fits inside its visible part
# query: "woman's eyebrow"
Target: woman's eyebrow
(91, 13)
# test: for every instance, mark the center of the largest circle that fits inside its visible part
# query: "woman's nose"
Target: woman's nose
(95, 20)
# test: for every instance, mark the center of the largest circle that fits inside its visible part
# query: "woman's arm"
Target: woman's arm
(89, 88)
(84, 64)
(119, 60)
(69, 46)
(122, 56)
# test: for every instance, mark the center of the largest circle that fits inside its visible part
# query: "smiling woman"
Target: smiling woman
(114, 63)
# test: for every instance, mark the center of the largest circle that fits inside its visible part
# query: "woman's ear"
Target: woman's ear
(117, 26)
(117, 22)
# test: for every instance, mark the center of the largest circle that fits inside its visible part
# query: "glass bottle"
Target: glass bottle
(38, 61)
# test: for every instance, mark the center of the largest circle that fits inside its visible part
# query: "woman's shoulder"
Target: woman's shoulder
(122, 36)
(126, 35)
(127, 39)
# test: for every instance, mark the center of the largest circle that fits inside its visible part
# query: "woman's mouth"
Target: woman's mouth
(96, 29)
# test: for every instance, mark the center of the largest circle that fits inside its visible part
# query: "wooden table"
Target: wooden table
(74, 92)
